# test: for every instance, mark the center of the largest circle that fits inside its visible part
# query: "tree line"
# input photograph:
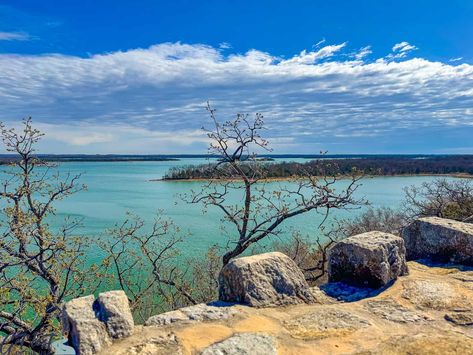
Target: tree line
(377, 166)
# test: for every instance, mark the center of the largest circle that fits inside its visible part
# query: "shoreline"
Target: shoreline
(294, 178)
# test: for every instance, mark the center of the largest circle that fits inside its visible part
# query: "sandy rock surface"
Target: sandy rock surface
(426, 312)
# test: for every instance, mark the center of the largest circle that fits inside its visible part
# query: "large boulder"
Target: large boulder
(263, 280)
(114, 311)
(439, 239)
(87, 334)
(370, 259)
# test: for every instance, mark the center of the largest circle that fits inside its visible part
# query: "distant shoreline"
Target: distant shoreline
(294, 178)
(8, 158)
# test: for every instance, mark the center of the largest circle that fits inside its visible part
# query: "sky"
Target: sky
(132, 77)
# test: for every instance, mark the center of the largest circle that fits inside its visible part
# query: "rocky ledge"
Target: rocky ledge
(376, 303)
(427, 312)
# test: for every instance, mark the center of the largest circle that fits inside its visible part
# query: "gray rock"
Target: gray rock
(87, 334)
(370, 259)
(394, 312)
(204, 312)
(114, 311)
(439, 239)
(198, 313)
(325, 322)
(429, 294)
(167, 318)
(244, 344)
(263, 280)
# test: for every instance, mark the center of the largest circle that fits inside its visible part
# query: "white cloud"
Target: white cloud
(14, 36)
(403, 47)
(305, 57)
(152, 100)
(400, 50)
(225, 45)
(363, 52)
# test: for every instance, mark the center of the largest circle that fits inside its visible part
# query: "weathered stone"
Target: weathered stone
(198, 313)
(325, 322)
(394, 312)
(167, 318)
(460, 317)
(204, 312)
(264, 280)
(432, 343)
(427, 294)
(162, 344)
(464, 276)
(114, 311)
(87, 334)
(244, 344)
(370, 259)
(439, 239)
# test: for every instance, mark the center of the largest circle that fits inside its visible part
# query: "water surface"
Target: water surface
(115, 188)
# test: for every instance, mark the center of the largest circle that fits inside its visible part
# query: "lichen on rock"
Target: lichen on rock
(439, 239)
(244, 344)
(370, 259)
(270, 279)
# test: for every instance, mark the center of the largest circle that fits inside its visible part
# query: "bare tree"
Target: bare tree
(384, 219)
(145, 263)
(39, 267)
(442, 198)
(265, 205)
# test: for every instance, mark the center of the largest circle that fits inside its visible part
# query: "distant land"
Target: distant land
(375, 165)
(7, 158)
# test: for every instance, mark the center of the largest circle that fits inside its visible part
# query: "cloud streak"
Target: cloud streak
(14, 36)
(327, 96)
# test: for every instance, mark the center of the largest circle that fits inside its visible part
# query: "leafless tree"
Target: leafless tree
(384, 219)
(145, 263)
(442, 198)
(265, 205)
(39, 267)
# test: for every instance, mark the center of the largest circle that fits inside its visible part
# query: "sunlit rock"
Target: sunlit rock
(370, 259)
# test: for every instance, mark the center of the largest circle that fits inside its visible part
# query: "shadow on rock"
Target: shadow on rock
(444, 265)
(349, 293)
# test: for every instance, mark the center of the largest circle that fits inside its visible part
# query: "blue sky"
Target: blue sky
(343, 76)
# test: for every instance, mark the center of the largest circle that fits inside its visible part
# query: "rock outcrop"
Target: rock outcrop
(370, 259)
(87, 334)
(199, 313)
(91, 324)
(244, 344)
(439, 239)
(406, 318)
(115, 312)
(264, 280)
(428, 311)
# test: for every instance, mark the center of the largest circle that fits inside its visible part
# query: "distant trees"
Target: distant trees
(377, 166)
(39, 267)
(263, 209)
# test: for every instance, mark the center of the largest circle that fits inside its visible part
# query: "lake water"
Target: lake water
(117, 187)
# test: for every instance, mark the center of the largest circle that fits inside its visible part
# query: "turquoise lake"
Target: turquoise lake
(115, 188)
